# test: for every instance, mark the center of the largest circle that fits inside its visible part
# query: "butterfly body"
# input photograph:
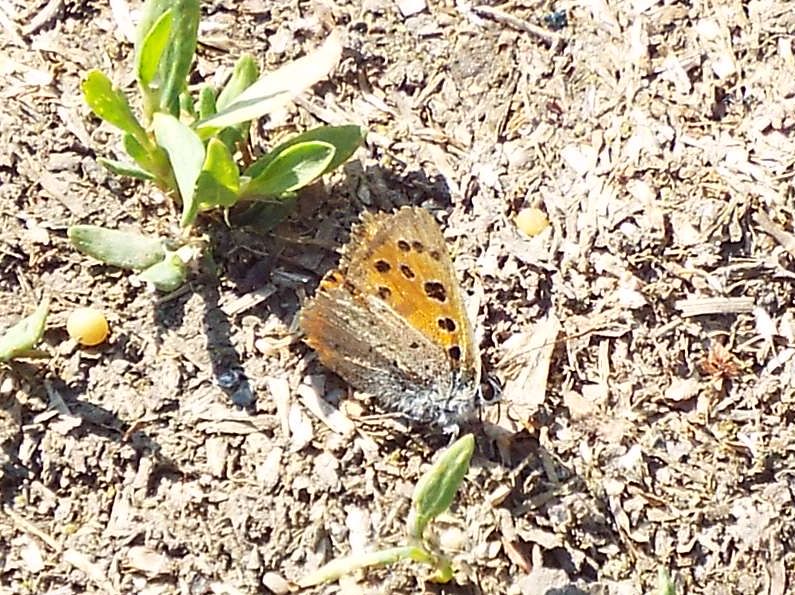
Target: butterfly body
(390, 320)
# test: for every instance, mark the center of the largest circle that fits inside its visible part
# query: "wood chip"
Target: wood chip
(783, 237)
(217, 449)
(95, 572)
(324, 411)
(697, 306)
(279, 389)
(44, 16)
(30, 554)
(682, 389)
(145, 559)
(248, 301)
(301, 430)
(29, 527)
(550, 37)
(525, 366)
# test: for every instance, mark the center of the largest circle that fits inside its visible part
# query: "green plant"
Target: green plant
(195, 147)
(20, 339)
(433, 494)
(665, 584)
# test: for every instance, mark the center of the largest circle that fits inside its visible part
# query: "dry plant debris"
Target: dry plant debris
(657, 137)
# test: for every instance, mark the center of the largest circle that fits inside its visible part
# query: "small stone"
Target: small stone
(144, 559)
(410, 7)
(275, 583)
(7, 386)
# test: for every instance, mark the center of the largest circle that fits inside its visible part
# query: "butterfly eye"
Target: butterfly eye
(490, 389)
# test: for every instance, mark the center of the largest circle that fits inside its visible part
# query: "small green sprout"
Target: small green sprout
(665, 584)
(433, 494)
(194, 146)
(20, 339)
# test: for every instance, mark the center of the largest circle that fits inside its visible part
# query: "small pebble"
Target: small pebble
(410, 7)
(276, 583)
(7, 386)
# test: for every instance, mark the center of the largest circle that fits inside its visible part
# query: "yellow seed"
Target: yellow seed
(87, 326)
(531, 221)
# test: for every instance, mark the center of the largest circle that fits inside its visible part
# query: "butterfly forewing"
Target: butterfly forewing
(405, 262)
(391, 321)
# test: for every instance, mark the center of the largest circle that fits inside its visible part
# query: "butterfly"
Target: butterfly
(390, 320)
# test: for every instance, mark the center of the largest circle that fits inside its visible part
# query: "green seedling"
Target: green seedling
(20, 339)
(665, 584)
(194, 144)
(433, 494)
